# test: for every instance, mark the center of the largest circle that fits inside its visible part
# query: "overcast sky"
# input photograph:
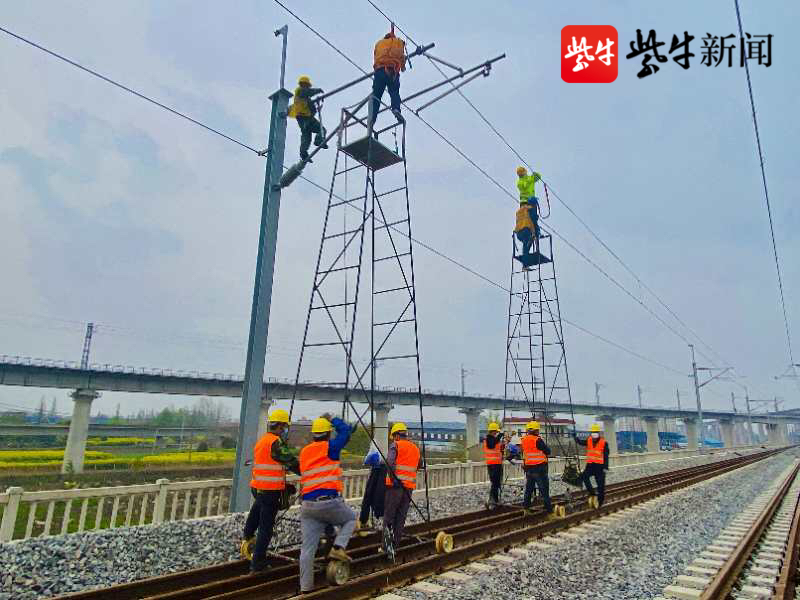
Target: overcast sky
(115, 211)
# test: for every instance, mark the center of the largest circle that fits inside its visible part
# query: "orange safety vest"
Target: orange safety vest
(405, 468)
(493, 456)
(594, 452)
(390, 52)
(317, 470)
(523, 219)
(532, 455)
(268, 474)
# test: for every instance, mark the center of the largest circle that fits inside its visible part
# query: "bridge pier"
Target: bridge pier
(691, 433)
(380, 430)
(78, 431)
(727, 433)
(263, 416)
(473, 429)
(651, 424)
(609, 433)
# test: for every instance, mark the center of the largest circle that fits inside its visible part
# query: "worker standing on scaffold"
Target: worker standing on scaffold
(272, 456)
(303, 109)
(323, 505)
(402, 463)
(596, 462)
(390, 59)
(493, 448)
(527, 227)
(535, 452)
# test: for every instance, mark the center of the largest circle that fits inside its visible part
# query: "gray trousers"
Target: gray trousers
(314, 516)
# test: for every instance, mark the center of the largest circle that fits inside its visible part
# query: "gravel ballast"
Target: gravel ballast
(633, 557)
(44, 567)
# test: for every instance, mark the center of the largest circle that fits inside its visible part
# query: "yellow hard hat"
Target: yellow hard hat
(494, 427)
(532, 426)
(398, 427)
(594, 428)
(279, 416)
(304, 79)
(522, 171)
(321, 425)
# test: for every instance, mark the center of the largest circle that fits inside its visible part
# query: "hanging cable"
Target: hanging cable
(766, 191)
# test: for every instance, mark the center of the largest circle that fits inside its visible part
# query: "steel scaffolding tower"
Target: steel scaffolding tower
(536, 359)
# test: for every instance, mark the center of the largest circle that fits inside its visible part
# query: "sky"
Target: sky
(117, 212)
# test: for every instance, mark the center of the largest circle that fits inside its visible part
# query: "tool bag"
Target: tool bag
(571, 475)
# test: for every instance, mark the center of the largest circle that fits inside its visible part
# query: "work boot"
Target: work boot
(319, 140)
(259, 565)
(339, 554)
(399, 117)
(305, 158)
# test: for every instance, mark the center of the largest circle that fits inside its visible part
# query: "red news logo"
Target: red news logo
(589, 53)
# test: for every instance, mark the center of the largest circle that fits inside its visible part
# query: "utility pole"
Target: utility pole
(749, 415)
(597, 387)
(87, 346)
(463, 380)
(699, 407)
(733, 402)
(697, 386)
(253, 385)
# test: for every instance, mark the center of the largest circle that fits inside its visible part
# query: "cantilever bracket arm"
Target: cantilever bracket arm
(419, 50)
(485, 72)
(713, 377)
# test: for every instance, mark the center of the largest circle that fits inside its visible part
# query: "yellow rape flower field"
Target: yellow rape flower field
(34, 460)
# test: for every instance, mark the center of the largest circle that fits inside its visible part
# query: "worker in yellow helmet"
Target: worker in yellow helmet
(535, 452)
(389, 60)
(402, 463)
(322, 503)
(527, 218)
(596, 462)
(272, 457)
(303, 109)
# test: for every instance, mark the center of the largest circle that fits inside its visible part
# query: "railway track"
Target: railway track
(425, 552)
(756, 555)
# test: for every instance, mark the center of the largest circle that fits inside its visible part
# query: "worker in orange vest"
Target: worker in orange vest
(534, 453)
(272, 457)
(389, 60)
(321, 493)
(493, 448)
(596, 462)
(402, 464)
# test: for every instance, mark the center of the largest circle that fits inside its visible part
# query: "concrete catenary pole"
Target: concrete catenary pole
(701, 433)
(253, 384)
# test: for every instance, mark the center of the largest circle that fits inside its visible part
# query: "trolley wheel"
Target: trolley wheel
(593, 503)
(247, 548)
(559, 511)
(444, 543)
(337, 572)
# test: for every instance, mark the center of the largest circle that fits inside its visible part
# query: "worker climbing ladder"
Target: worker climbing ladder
(536, 358)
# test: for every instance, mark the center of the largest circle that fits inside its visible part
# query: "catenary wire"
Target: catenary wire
(766, 191)
(508, 193)
(550, 187)
(244, 145)
(129, 90)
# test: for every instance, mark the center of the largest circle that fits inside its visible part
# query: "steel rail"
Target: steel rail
(724, 581)
(786, 587)
(232, 580)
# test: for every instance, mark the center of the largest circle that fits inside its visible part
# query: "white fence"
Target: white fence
(66, 511)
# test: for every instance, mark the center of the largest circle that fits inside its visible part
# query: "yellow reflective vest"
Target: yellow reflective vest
(527, 185)
(300, 106)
